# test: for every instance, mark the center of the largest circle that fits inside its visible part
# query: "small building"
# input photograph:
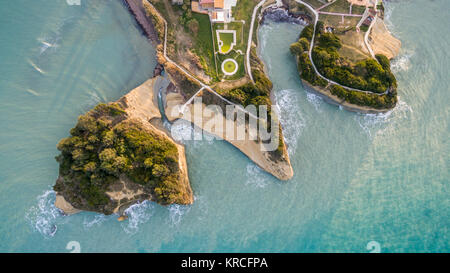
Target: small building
(218, 16)
(368, 20)
(218, 4)
(207, 4)
(195, 5)
(177, 2)
(218, 10)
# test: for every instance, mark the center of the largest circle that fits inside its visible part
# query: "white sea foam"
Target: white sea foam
(138, 214)
(387, 14)
(291, 118)
(256, 177)
(94, 220)
(177, 212)
(315, 100)
(37, 68)
(44, 216)
(377, 124)
(31, 91)
(46, 44)
(202, 206)
(402, 62)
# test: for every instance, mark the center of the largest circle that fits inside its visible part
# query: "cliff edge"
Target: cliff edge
(118, 155)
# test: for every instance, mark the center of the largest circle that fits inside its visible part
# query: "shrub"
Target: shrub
(102, 146)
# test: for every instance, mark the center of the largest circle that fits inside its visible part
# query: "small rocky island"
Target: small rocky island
(346, 61)
(117, 155)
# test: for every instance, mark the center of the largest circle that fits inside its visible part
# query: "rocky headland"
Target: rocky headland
(118, 155)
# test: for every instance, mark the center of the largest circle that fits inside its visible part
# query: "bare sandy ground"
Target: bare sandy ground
(281, 168)
(65, 206)
(382, 41)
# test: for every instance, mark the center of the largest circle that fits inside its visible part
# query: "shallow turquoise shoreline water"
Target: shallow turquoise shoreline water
(358, 178)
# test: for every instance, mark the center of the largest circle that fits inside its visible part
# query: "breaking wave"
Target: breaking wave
(94, 220)
(291, 117)
(256, 177)
(44, 217)
(377, 124)
(48, 45)
(138, 214)
(177, 212)
(401, 62)
(315, 100)
(37, 68)
(94, 99)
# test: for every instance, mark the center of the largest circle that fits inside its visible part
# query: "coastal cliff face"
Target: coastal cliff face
(117, 156)
(357, 83)
(382, 41)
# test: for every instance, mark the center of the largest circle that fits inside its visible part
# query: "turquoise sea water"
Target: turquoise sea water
(358, 178)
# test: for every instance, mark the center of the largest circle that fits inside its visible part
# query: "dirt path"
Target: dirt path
(316, 19)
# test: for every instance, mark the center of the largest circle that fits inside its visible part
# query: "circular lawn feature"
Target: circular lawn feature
(229, 67)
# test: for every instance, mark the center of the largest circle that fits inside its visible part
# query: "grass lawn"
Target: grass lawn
(240, 61)
(358, 9)
(351, 46)
(340, 6)
(241, 45)
(314, 3)
(229, 66)
(243, 11)
(227, 40)
(336, 21)
(203, 43)
(236, 26)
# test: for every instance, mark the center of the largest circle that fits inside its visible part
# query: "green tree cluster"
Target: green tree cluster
(300, 46)
(364, 99)
(104, 145)
(369, 74)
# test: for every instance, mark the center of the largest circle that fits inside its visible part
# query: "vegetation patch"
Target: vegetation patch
(229, 67)
(103, 146)
(314, 3)
(339, 6)
(365, 75)
(189, 38)
(227, 39)
(368, 74)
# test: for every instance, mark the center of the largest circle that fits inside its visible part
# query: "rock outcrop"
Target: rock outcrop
(382, 41)
(130, 179)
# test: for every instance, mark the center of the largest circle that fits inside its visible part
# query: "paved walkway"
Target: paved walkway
(366, 37)
(326, 5)
(340, 14)
(250, 38)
